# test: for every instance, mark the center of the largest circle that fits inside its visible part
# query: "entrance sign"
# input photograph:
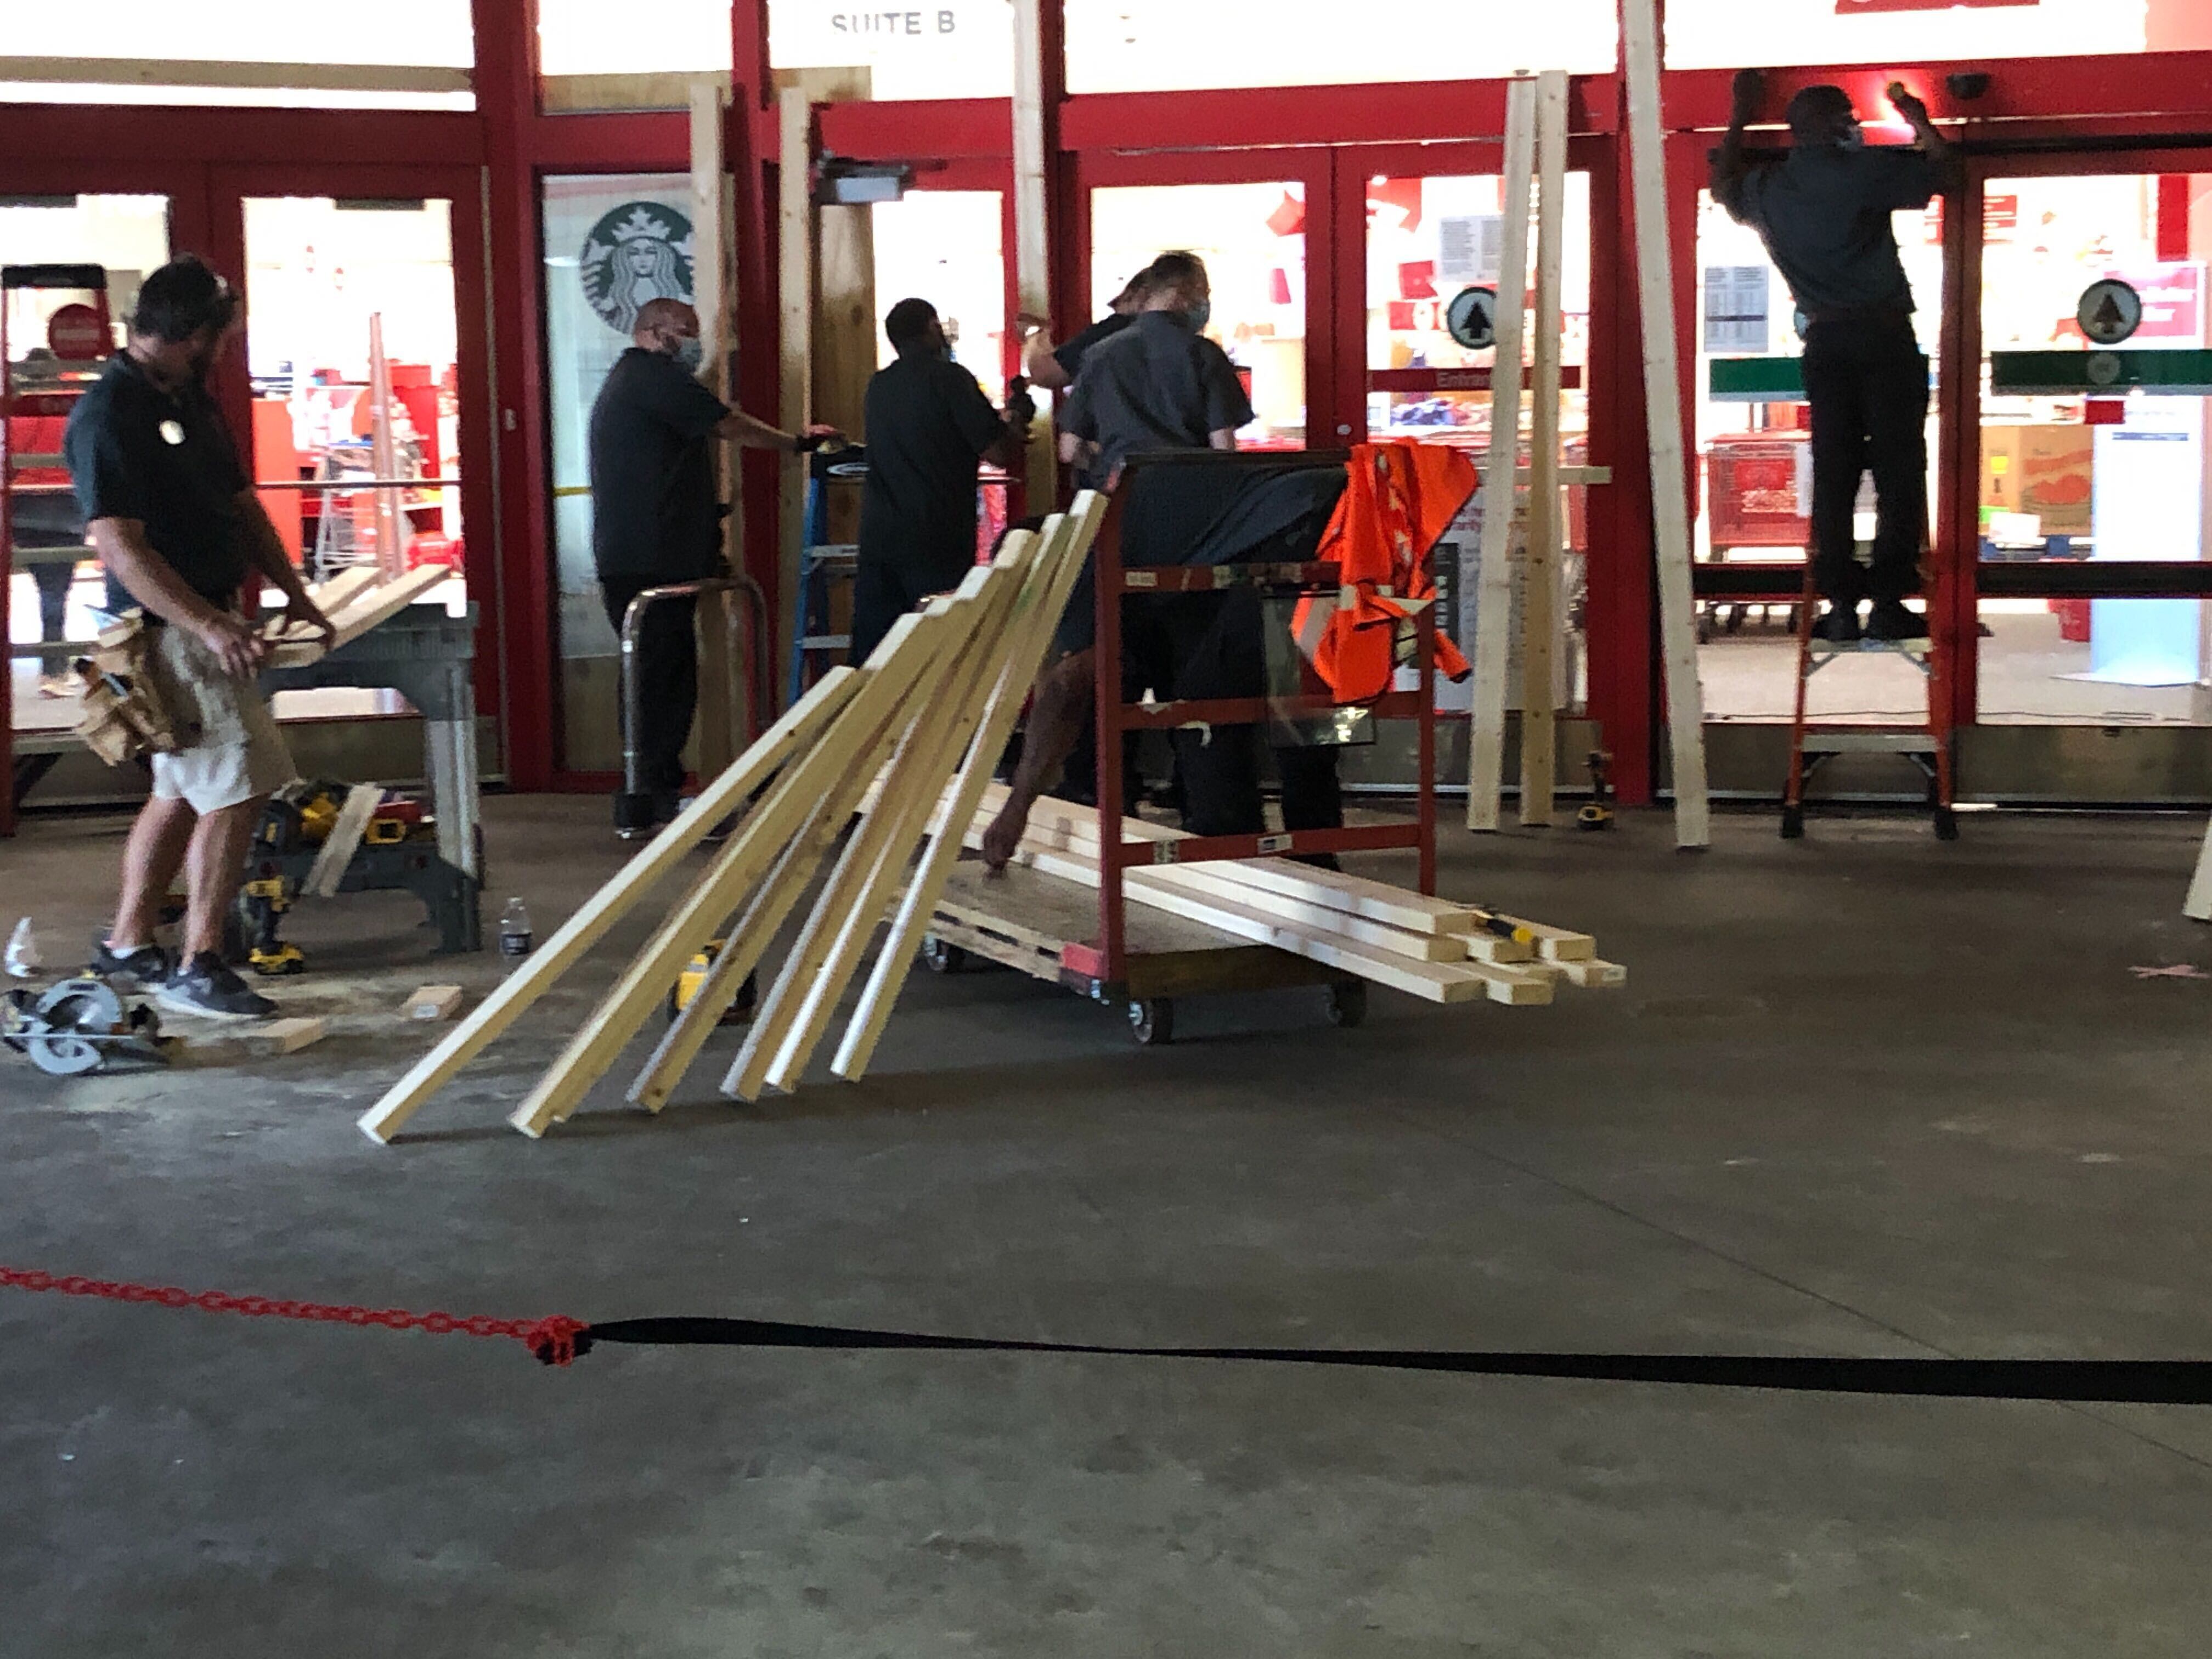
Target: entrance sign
(1471, 319)
(2110, 312)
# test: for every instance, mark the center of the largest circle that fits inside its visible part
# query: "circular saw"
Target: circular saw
(77, 1026)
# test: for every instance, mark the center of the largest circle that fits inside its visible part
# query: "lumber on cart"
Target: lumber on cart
(923, 722)
(1439, 948)
(354, 601)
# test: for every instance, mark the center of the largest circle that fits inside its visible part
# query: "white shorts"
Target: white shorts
(232, 750)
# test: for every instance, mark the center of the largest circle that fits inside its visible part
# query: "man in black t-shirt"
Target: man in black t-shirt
(656, 520)
(176, 521)
(928, 424)
(1056, 367)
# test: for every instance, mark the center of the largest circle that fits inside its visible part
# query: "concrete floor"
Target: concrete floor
(1865, 1094)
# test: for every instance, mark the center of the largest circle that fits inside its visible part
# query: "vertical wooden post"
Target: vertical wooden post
(794, 342)
(1540, 565)
(713, 286)
(1494, 633)
(1039, 73)
(1670, 507)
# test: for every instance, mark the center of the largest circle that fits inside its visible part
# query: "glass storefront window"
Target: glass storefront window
(321, 277)
(1730, 35)
(1173, 46)
(613, 242)
(55, 589)
(2094, 662)
(944, 246)
(1252, 238)
(412, 54)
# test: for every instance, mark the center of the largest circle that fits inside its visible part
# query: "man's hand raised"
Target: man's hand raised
(1749, 91)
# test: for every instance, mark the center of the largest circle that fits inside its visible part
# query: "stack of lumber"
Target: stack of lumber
(1437, 948)
(921, 725)
(356, 601)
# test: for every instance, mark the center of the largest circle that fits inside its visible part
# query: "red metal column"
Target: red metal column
(520, 548)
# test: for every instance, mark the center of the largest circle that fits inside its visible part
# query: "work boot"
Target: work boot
(1890, 620)
(206, 985)
(1839, 624)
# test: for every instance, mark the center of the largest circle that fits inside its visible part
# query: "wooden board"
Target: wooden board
(795, 315)
(1493, 611)
(2197, 906)
(1541, 568)
(1558, 943)
(283, 1036)
(355, 617)
(1662, 381)
(713, 286)
(339, 847)
(1066, 543)
(542, 968)
(852, 747)
(432, 1002)
(336, 594)
(1031, 151)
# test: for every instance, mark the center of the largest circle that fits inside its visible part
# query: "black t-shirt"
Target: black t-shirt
(166, 459)
(1824, 213)
(1158, 384)
(654, 507)
(928, 424)
(1071, 355)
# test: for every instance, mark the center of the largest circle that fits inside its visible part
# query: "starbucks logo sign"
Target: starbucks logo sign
(640, 251)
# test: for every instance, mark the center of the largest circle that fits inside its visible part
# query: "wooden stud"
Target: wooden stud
(432, 1002)
(1066, 545)
(1494, 581)
(349, 584)
(2197, 906)
(828, 955)
(795, 312)
(540, 970)
(713, 289)
(1032, 222)
(339, 847)
(1489, 947)
(1663, 382)
(1539, 569)
(1557, 943)
(852, 748)
(284, 1037)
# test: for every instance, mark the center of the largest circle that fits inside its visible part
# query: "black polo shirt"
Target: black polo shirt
(928, 424)
(1071, 355)
(1824, 213)
(655, 508)
(1158, 384)
(166, 459)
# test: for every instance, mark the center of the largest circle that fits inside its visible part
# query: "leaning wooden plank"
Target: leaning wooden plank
(539, 970)
(365, 611)
(1670, 510)
(341, 589)
(1557, 943)
(913, 768)
(826, 959)
(1494, 574)
(1398, 941)
(849, 749)
(1059, 561)
(2197, 906)
(1540, 570)
(1467, 981)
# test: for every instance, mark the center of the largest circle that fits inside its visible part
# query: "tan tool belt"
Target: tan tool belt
(124, 715)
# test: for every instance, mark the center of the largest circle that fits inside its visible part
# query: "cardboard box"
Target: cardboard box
(2046, 471)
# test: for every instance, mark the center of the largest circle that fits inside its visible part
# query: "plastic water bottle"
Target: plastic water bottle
(23, 957)
(514, 936)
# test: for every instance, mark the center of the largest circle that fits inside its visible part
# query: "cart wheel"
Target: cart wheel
(1793, 823)
(1347, 1003)
(942, 956)
(1152, 1023)
(1946, 824)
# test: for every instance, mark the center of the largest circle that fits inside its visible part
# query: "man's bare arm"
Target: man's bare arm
(1730, 167)
(1038, 360)
(1222, 438)
(1063, 703)
(1950, 166)
(749, 432)
(150, 579)
(266, 549)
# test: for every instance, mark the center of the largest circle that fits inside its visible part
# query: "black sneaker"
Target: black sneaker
(1839, 624)
(205, 985)
(141, 969)
(1890, 620)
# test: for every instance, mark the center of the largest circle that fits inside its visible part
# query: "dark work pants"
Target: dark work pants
(667, 678)
(1867, 382)
(885, 588)
(1214, 646)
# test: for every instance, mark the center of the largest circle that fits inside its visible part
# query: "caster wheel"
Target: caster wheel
(1793, 823)
(1946, 824)
(1153, 1024)
(1347, 1003)
(942, 957)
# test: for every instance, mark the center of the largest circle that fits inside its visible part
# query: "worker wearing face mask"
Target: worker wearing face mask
(656, 516)
(1823, 214)
(929, 425)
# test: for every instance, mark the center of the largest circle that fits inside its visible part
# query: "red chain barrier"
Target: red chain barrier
(553, 1338)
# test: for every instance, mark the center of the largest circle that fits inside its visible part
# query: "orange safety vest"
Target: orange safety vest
(1398, 498)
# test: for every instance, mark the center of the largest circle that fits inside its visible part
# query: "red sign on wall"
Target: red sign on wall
(75, 335)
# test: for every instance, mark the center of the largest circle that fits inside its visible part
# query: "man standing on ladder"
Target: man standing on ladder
(1823, 214)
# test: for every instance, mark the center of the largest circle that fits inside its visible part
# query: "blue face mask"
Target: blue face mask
(1200, 315)
(688, 353)
(1851, 138)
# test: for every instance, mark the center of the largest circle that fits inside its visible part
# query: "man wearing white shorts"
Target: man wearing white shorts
(175, 519)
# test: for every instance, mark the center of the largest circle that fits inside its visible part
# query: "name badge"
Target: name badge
(171, 432)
